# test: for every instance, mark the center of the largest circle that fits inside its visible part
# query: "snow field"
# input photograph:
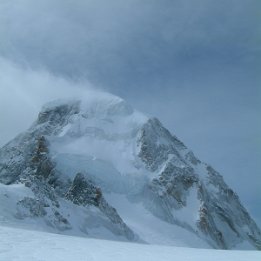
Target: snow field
(25, 245)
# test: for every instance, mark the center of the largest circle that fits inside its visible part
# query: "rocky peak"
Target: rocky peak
(76, 148)
(58, 112)
(157, 145)
(219, 215)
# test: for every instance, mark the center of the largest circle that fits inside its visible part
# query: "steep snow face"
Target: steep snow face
(83, 157)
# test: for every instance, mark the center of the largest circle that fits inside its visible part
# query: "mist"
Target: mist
(24, 91)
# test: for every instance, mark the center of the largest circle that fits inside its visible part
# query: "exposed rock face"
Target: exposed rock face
(41, 162)
(83, 192)
(221, 216)
(56, 116)
(110, 145)
(30, 207)
(153, 151)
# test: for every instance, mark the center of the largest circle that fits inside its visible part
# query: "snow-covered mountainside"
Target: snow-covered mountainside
(96, 167)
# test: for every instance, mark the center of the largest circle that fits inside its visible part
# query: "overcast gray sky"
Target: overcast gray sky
(193, 64)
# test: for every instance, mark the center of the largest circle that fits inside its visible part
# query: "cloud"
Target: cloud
(124, 42)
(22, 93)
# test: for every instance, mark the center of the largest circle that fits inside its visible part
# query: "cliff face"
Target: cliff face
(77, 153)
(184, 183)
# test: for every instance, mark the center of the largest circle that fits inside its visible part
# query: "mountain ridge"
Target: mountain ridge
(78, 151)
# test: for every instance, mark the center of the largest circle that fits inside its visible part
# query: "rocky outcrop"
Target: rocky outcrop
(156, 144)
(221, 218)
(84, 192)
(53, 117)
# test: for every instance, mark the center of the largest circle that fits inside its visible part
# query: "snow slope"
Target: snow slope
(21, 245)
(150, 228)
(81, 221)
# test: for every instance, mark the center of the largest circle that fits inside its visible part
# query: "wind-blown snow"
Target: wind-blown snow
(104, 128)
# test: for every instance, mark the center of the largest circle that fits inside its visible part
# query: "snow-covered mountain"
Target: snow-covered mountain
(96, 167)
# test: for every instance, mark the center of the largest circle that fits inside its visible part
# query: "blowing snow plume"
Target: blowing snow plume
(24, 90)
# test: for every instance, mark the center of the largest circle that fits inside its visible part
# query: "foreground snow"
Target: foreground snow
(18, 244)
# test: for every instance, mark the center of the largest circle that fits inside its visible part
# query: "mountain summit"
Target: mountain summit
(96, 167)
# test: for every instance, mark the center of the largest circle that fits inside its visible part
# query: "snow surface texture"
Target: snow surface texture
(20, 245)
(97, 168)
